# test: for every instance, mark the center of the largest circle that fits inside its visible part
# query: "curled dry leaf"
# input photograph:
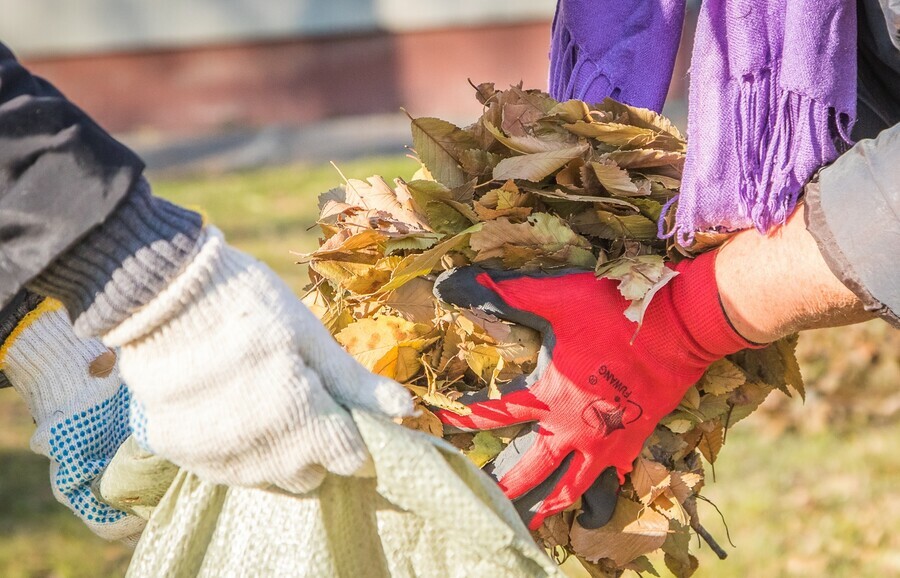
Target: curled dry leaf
(632, 532)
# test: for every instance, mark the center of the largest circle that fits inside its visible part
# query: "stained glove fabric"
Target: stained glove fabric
(81, 419)
(236, 381)
(595, 396)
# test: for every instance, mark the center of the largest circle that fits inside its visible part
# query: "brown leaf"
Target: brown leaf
(711, 443)
(485, 92)
(421, 264)
(641, 117)
(518, 117)
(375, 194)
(650, 479)
(787, 348)
(542, 235)
(722, 377)
(633, 531)
(535, 167)
(646, 158)
(640, 565)
(414, 301)
(608, 225)
(618, 135)
(526, 144)
(614, 179)
(424, 421)
(103, 365)
(440, 145)
(681, 569)
(554, 531)
(683, 484)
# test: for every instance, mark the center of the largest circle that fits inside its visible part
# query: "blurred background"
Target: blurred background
(238, 106)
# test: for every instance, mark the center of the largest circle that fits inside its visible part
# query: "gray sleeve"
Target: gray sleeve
(854, 215)
(891, 10)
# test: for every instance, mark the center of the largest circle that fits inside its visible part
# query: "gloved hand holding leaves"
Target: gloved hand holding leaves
(599, 389)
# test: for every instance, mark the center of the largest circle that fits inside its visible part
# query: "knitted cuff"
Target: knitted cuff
(20, 306)
(695, 297)
(121, 265)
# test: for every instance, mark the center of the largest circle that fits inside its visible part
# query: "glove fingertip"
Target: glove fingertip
(393, 399)
(535, 522)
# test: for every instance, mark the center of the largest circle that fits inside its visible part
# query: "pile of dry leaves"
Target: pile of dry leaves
(532, 184)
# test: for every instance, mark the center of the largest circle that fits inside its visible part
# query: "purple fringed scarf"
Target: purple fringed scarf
(772, 95)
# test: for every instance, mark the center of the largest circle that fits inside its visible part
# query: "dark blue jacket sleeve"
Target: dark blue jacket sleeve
(60, 174)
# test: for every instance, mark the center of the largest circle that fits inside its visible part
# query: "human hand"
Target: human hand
(236, 381)
(80, 408)
(598, 390)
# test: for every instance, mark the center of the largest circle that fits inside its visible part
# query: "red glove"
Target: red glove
(595, 395)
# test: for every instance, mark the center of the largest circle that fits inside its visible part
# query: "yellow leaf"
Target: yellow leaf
(401, 362)
(422, 264)
(440, 400)
(370, 340)
(485, 447)
(633, 531)
(680, 426)
(722, 377)
(482, 359)
(340, 272)
(367, 282)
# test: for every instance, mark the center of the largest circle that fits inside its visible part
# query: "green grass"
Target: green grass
(822, 504)
(270, 212)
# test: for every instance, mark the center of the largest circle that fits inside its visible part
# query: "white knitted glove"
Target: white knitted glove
(236, 381)
(81, 420)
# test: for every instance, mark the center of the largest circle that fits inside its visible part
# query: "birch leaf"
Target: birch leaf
(614, 179)
(441, 145)
(632, 532)
(535, 167)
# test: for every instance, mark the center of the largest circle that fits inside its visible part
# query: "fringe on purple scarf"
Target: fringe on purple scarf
(772, 94)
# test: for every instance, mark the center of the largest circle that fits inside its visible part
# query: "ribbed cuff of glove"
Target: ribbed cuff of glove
(16, 310)
(121, 265)
(695, 300)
